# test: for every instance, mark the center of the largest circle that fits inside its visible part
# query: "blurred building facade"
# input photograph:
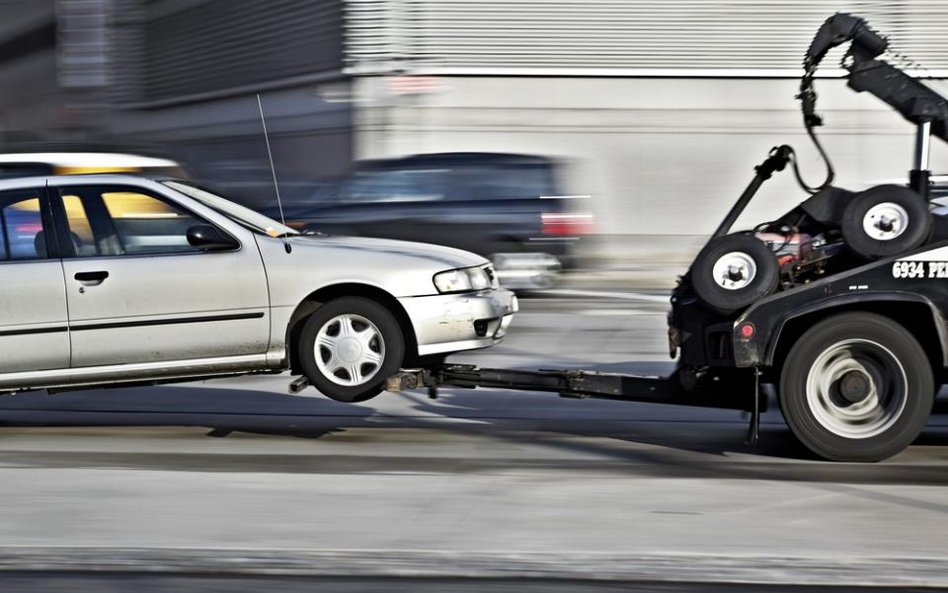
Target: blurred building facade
(179, 79)
(665, 107)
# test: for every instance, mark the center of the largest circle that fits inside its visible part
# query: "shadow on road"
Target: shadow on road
(540, 431)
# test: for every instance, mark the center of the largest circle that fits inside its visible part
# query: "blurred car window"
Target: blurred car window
(503, 181)
(21, 225)
(396, 185)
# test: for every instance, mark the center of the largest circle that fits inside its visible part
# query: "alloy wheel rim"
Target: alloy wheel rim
(349, 350)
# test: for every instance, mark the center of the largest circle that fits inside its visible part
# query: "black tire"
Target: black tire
(353, 368)
(820, 396)
(726, 294)
(898, 217)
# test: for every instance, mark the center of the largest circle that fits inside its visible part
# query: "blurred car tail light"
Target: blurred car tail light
(560, 224)
(28, 227)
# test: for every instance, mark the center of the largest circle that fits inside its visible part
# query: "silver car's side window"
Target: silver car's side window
(125, 221)
(22, 233)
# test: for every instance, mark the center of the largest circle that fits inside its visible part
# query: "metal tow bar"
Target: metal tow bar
(712, 390)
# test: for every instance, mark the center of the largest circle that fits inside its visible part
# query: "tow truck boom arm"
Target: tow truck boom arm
(916, 102)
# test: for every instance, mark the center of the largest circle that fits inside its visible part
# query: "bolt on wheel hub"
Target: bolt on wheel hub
(734, 270)
(855, 386)
(885, 221)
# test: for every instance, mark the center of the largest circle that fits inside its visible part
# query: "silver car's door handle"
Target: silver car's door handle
(91, 278)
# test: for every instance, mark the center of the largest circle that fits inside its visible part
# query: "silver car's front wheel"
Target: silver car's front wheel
(349, 347)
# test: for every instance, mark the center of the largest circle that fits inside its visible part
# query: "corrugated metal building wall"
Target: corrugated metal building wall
(187, 73)
(183, 51)
(622, 37)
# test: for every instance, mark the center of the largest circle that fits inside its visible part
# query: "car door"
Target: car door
(33, 321)
(138, 292)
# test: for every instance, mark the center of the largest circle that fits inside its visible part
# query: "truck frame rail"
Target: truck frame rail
(716, 388)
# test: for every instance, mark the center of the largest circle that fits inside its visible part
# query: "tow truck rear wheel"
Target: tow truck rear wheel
(734, 271)
(856, 387)
(886, 220)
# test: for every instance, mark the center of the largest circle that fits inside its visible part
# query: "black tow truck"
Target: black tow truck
(839, 304)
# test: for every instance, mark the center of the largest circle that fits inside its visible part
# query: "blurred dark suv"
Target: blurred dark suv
(507, 207)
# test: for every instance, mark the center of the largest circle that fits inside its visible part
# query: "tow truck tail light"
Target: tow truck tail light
(746, 331)
(562, 224)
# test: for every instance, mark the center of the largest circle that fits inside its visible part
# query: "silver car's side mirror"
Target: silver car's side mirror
(210, 238)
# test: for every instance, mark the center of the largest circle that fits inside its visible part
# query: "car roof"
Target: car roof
(85, 159)
(86, 179)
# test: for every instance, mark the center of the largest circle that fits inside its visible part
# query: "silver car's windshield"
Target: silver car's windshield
(236, 212)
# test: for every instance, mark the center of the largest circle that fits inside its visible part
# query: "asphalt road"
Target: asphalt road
(236, 477)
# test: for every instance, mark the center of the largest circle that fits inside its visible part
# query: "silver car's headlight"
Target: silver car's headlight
(465, 279)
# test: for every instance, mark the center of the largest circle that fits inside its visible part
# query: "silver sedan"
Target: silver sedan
(117, 279)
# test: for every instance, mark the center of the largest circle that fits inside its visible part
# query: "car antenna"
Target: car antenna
(276, 186)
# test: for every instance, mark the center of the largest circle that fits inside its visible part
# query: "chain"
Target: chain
(920, 72)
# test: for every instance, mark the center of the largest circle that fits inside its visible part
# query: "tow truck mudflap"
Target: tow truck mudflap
(728, 388)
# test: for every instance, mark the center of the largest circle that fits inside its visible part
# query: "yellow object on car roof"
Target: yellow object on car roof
(75, 163)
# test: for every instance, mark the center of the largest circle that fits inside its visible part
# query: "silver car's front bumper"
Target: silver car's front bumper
(454, 322)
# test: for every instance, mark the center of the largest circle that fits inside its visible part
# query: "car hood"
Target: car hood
(401, 268)
(448, 257)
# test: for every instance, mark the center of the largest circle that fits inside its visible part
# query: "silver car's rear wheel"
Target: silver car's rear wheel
(349, 347)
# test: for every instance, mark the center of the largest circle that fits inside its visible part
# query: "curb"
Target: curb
(691, 568)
